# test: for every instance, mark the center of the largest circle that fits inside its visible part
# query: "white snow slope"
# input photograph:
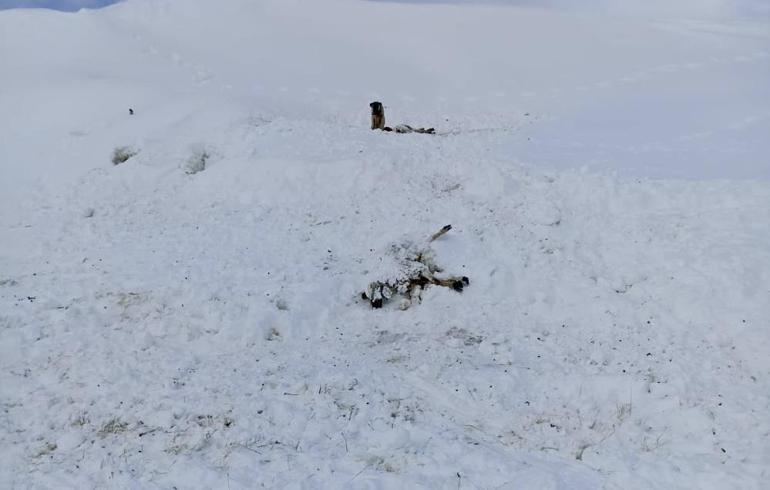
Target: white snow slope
(607, 178)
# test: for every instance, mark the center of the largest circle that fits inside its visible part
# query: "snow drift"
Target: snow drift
(192, 316)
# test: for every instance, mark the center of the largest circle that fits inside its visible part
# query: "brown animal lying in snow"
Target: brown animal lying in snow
(378, 122)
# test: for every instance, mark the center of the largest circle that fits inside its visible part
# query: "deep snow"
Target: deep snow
(165, 329)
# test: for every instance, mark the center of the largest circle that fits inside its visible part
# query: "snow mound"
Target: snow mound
(192, 318)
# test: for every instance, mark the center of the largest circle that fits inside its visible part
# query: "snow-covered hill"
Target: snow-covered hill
(607, 182)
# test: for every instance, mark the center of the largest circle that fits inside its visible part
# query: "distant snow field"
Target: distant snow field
(180, 287)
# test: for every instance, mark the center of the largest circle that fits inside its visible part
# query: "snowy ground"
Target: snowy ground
(606, 176)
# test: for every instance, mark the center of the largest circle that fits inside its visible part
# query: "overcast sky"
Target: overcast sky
(687, 8)
(677, 8)
(55, 4)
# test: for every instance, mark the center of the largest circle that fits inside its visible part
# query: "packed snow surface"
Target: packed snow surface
(191, 317)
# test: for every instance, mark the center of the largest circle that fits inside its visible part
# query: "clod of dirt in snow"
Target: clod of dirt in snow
(450, 188)
(126, 300)
(121, 154)
(281, 304)
(47, 449)
(197, 161)
(114, 426)
(379, 463)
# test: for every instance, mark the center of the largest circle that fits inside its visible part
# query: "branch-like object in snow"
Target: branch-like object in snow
(439, 233)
